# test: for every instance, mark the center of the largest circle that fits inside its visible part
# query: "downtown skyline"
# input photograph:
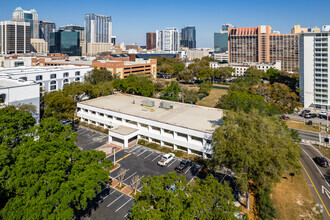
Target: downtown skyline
(148, 16)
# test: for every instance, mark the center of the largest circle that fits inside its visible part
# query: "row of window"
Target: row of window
(54, 76)
(53, 83)
(145, 125)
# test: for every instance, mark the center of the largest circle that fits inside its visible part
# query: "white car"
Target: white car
(166, 159)
(323, 113)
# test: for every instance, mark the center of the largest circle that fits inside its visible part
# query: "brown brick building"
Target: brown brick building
(261, 45)
(151, 40)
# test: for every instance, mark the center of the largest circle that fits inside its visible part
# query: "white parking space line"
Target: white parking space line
(126, 215)
(113, 192)
(119, 174)
(172, 162)
(148, 155)
(115, 200)
(142, 152)
(136, 148)
(130, 176)
(156, 157)
(124, 204)
(188, 169)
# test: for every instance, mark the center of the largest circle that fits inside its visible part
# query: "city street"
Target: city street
(317, 178)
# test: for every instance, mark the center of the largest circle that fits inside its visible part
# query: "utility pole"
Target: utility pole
(114, 156)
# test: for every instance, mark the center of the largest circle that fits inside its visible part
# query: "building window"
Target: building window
(77, 73)
(39, 77)
(52, 85)
(23, 78)
(66, 74)
(77, 79)
(53, 76)
(66, 81)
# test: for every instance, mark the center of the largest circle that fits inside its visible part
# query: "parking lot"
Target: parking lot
(141, 161)
(89, 139)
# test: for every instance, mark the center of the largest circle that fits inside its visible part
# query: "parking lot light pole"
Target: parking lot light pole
(114, 156)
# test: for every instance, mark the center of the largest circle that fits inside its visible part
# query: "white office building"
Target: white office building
(17, 91)
(313, 69)
(50, 78)
(168, 40)
(129, 118)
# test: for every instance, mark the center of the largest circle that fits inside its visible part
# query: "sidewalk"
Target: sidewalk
(109, 149)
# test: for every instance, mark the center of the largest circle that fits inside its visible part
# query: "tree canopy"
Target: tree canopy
(246, 102)
(136, 85)
(59, 106)
(169, 197)
(96, 76)
(171, 92)
(257, 148)
(45, 175)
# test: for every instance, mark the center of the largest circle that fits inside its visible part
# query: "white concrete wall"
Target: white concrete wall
(306, 74)
(175, 139)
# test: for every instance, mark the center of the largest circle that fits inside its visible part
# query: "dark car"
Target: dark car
(310, 115)
(284, 117)
(304, 112)
(183, 165)
(321, 161)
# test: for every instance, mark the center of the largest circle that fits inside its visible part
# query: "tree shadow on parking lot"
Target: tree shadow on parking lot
(92, 205)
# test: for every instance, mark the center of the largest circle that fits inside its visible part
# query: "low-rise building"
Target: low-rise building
(240, 69)
(49, 78)
(180, 126)
(18, 91)
(94, 49)
(124, 68)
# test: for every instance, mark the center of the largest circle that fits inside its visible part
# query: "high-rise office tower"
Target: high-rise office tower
(75, 28)
(168, 39)
(260, 44)
(188, 37)
(225, 27)
(28, 16)
(113, 40)
(67, 42)
(151, 40)
(221, 39)
(15, 37)
(314, 69)
(45, 28)
(98, 28)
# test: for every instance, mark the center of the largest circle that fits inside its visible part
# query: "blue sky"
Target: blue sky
(133, 18)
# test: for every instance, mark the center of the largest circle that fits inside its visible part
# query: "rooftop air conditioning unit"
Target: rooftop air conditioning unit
(148, 103)
(166, 105)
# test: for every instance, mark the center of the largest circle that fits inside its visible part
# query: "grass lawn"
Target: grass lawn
(294, 200)
(215, 94)
(301, 126)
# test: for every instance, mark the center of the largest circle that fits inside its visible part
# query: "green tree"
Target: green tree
(77, 90)
(135, 84)
(279, 94)
(186, 75)
(171, 92)
(204, 73)
(189, 95)
(258, 148)
(28, 108)
(96, 76)
(244, 101)
(254, 73)
(205, 87)
(169, 197)
(223, 72)
(50, 177)
(59, 106)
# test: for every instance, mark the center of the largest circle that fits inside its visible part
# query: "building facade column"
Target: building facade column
(125, 142)
(175, 147)
(188, 151)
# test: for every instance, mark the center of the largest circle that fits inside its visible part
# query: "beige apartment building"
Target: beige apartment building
(262, 45)
(95, 48)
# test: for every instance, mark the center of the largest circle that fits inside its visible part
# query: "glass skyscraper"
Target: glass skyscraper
(45, 28)
(67, 42)
(188, 37)
(98, 28)
(28, 16)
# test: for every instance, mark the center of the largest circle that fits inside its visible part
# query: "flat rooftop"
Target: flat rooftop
(71, 62)
(38, 69)
(6, 82)
(123, 130)
(189, 116)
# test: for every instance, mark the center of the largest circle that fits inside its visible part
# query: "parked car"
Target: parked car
(302, 114)
(310, 115)
(166, 159)
(321, 161)
(183, 165)
(323, 114)
(284, 117)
